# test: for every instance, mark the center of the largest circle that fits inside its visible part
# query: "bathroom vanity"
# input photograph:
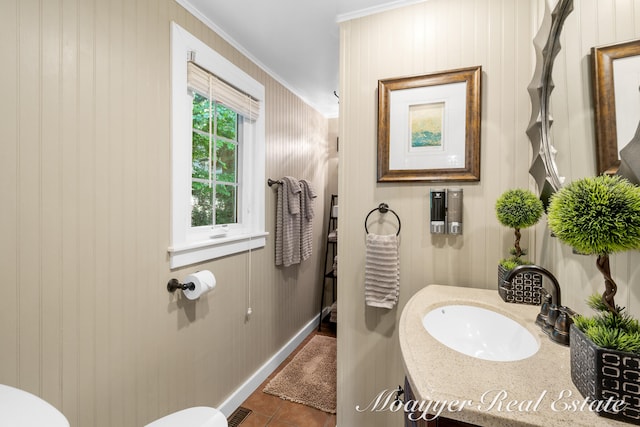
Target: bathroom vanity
(464, 390)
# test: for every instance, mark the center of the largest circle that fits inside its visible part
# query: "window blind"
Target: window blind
(207, 84)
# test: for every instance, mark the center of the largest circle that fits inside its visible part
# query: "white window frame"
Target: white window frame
(190, 245)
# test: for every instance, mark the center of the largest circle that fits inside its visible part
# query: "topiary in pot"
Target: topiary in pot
(600, 216)
(518, 209)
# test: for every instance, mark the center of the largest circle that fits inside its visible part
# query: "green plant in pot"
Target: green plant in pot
(601, 216)
(518, 209)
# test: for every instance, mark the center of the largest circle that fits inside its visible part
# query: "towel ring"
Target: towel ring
(382, 208)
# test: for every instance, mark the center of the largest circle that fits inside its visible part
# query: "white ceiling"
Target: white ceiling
(295, 41)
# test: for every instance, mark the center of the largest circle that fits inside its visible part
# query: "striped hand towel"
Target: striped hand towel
(382, 270)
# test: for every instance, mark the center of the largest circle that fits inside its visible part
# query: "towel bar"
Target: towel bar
(382, 208)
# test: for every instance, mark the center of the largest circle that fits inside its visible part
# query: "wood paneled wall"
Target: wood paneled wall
(86, 321)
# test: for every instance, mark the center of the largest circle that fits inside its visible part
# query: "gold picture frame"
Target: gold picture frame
(429, 127)
(604, 101)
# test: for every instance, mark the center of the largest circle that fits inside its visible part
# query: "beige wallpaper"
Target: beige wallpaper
(87, 322)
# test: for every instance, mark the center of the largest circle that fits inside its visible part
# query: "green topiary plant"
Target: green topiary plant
(598, 216)
(608, 330)
(518, 209)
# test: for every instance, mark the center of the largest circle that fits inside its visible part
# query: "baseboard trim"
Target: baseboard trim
(244, 391)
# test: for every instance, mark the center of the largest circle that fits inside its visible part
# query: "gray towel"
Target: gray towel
(288, 222)
(294, 221)
(293, 198)
(382, 270)
(306, 222)
(308, 194)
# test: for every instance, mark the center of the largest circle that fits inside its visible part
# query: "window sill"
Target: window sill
(204, 250)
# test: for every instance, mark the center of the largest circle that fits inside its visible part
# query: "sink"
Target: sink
(480, 333)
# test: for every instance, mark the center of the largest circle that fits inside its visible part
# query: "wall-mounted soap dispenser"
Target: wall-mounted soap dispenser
(454, 210)
(438, 211)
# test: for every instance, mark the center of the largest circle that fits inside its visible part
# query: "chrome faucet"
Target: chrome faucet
(554, 319)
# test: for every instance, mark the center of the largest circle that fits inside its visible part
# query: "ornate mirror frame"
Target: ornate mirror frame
(547, 45)
(604, 101)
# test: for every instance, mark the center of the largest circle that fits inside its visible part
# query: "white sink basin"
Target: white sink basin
(480, 333)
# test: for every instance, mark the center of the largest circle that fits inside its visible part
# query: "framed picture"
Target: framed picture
(429, 127)
(616, 100)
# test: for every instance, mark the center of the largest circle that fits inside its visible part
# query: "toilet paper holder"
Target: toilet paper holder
(195, 284)
(175, 284)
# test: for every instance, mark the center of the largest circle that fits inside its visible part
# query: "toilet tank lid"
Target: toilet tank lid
(199, 416)
(20, 408)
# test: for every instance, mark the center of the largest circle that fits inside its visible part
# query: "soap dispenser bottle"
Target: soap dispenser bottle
(438, 210)
(454, 210)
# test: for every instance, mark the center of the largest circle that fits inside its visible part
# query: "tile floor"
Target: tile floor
(268, 410)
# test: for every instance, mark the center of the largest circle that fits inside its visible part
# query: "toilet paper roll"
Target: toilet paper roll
(203, 281)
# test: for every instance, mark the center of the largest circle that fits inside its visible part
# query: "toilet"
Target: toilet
(19, 408)
(199, 416)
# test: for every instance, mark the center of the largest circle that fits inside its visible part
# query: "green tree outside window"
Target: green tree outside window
(214, 188)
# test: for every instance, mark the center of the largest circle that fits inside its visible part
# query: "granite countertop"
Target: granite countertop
(536, 391)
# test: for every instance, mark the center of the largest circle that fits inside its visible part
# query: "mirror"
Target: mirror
(547, 45)
(567, 43)
(616, 105)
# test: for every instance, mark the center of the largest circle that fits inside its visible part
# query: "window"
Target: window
(214, 155)
(217, 155)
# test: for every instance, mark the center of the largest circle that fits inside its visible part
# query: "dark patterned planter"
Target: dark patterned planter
(524, 289)
(599, 374)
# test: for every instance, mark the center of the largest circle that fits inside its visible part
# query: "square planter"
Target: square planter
(524, 289)
(600, 373)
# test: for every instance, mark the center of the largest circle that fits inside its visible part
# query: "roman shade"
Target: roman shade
(210, 86)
